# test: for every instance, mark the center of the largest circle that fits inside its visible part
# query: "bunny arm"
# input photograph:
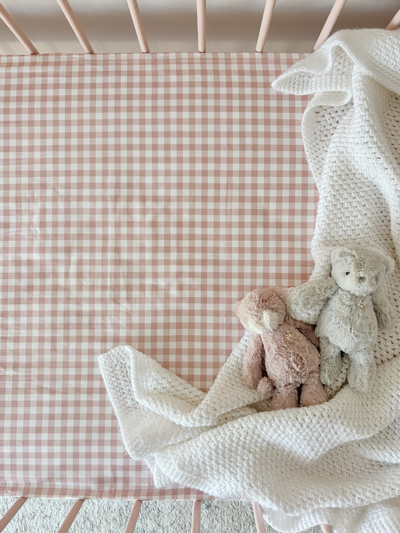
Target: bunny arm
(384, 309)
(252, 361)
(305, 302)
(305, 329)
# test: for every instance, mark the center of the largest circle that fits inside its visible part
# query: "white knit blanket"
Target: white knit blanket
(338, 462)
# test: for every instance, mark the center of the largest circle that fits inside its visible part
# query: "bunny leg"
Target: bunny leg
(252, 361)
(312, 391)
(285, 397)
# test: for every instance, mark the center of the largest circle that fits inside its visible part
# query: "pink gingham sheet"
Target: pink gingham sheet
(141, 196)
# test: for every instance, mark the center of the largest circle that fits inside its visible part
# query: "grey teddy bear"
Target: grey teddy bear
(348, 308)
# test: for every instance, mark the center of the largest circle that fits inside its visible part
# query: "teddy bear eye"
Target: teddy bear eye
(347, 273)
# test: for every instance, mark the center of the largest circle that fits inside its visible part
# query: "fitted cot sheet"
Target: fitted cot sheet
(141, 197)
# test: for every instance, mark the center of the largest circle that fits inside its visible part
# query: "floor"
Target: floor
(46, 516)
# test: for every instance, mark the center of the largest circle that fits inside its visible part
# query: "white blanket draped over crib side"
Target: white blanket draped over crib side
(338, 462)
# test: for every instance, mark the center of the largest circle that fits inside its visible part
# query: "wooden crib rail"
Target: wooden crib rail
(201, 25)
(13, 510)
(138, 24)
(265, 24)
(71, 516)
(196, 516)
(73, 21)
(20, 35)
(330, 22)
(334, 15)
(131, 524)
(258, 517)
(395, 22)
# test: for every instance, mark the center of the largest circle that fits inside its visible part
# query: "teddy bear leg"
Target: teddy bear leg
(362, 369)
(331, 361)
(285, 397)
(312, 391)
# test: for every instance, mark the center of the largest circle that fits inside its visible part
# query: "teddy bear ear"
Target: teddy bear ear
(390, 264)
(342, 252)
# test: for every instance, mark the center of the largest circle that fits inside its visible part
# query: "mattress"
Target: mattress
(141, 197)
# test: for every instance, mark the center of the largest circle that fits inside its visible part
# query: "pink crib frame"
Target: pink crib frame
(201, 35)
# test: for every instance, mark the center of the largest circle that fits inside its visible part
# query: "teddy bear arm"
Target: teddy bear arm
(385, 313)
(305, 329)
(305, 302)
(252, 361)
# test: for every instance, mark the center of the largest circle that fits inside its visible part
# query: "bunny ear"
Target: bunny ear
(281, 292)
(236, 308)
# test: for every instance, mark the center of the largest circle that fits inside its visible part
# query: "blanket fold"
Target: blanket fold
(338, 462)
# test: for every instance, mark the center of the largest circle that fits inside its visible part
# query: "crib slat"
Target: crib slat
(201, 25)
(130, 526)
(19, 34)
(196, 516)
(258, 518)
(330, 22)
(137, 22)
(265, 24)
(13, 510)
(326, 529)
(71, 516)
(73, 21)
(395, 22)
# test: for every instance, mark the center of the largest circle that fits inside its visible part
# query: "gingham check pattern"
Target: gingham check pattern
(141, 196)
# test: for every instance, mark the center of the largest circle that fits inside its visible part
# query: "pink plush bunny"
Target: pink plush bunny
(282, 348)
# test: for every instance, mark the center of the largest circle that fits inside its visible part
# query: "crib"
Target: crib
(83, 272)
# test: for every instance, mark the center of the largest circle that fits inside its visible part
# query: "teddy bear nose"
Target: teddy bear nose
(361, 278)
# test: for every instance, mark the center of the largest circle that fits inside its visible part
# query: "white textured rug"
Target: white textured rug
(95, 516)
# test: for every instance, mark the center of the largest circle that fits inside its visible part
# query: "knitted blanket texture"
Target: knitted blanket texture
(339, 462)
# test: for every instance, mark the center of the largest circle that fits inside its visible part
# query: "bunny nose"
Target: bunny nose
(361, 279)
